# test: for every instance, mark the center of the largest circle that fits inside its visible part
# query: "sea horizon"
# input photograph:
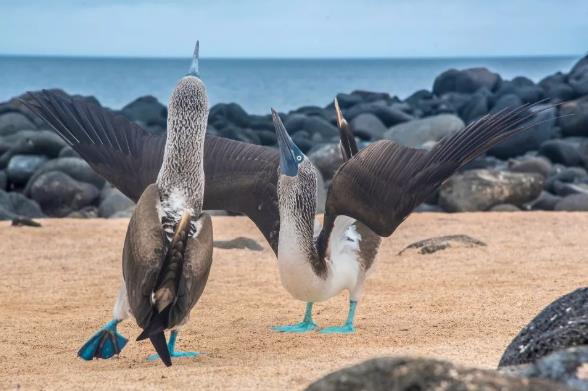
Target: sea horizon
(254, 83)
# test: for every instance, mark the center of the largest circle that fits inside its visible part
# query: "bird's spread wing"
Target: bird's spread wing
(382, 184)
(239, 177)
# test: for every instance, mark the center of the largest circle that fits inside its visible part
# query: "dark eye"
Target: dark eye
(299, 158)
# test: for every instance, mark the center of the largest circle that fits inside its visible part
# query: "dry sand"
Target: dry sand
(58, 284)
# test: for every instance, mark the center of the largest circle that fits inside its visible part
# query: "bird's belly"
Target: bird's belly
(301, 282)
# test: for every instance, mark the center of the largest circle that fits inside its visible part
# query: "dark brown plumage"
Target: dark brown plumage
(239, 177)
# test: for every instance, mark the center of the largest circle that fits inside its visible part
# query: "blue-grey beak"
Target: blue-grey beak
(290, 154)
(195, 58)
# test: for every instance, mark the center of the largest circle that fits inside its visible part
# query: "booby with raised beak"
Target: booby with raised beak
(370, 195)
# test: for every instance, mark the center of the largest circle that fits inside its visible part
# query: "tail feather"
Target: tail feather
(154, 331)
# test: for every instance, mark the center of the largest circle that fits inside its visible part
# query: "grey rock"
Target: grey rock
(578, 77)
(267, 137)
(542, 130)
(148, 111)
(560, 325)
(485, 162)
(29, 142)
(371, 96)
(432, 245)
(567, 366)
(561, 151)
(421, 131)
(545, 201)
(479, 190)
(534, 164)
(14, 205)
(322, 127)
(58, 194)
(295, 122)
(556, 88)
(524, 88)
(453, 102)
(348, 100)
(87, 212)
(326, 159)
(506, 101)
(566, 189)
(68, 152)
(389, 115)
(505, 208)
(466, 81)
(22, 167)
(476, 107)
(573, 117)
(3, 180)
(12, 122)
(572, 203)
(113, 203)
(231, 112)
(239, 243)
(416, 374)
(367, 127)
(74, 167)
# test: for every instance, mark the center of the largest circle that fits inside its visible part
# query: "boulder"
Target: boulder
(87, 212)
(74, 167)
(348, 100)
(542, 128)
(567, 367)
(565, 189)
(506, 101)
(148, 111)
(480, 190)
(294, 122)
(317, 125)
(30, 142)
(368, 127)
(58, 194)
(68, 152)
(562, 151)
(327, 159)
(476, 107)
(267, 137)
(22, 167)
(578, 77)
(3, 180)
(14, 205)
(114, 202)
(560, 325)
(572, 203)
(371, 96)
(236, 133)
(555, 88)
(524, 88)
(231, 112)
(389, 115)
(533, 164)
(453, 102)
(261, 122)
(545, 201)
(415, 374)
(418, 132)
(573, 117)
(467, 81)
(483, 162)
(13, 122)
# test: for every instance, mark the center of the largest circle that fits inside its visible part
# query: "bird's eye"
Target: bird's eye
(299, 158)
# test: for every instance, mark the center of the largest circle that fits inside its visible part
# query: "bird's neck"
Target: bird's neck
(182, 172)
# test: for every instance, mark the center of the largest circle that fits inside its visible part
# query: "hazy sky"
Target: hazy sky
(306, 28)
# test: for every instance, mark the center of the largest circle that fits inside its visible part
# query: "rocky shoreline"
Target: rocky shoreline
(544, 168)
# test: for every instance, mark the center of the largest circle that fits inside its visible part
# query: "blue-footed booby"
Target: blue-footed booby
(370, 195)
(168, 246)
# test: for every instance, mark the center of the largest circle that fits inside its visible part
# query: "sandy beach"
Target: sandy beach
(58, 284)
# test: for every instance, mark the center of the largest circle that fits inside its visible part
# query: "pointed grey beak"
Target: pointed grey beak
(195, 59)
(290, 155)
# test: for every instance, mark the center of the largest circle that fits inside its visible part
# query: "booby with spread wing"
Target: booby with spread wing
(370, 195)
(168, 246)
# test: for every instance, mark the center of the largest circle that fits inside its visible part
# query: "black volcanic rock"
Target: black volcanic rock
(148, 111)
(524, 88)
(555, 87)
(560, 325)
(573, 117)
(421, 374)
(466, 81)
(578, 77)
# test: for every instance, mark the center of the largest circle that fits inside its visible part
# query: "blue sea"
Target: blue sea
(255, 84)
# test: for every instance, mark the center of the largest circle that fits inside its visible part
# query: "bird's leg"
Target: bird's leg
(107, 342)
(306, 325)
(171, 346)
(347, 328)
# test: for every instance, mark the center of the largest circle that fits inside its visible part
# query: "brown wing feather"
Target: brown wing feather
(382, 184)
(239, 177)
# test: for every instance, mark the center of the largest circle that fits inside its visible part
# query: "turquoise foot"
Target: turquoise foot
(345, 329)
(171, 346)
(302, 327)
(106, 343)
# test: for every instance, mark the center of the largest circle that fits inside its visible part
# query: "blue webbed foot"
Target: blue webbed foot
(345, 329)
(171, 346)
(302, 327)
(104, 344)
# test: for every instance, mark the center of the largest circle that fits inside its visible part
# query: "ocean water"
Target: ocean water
(256, 84)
